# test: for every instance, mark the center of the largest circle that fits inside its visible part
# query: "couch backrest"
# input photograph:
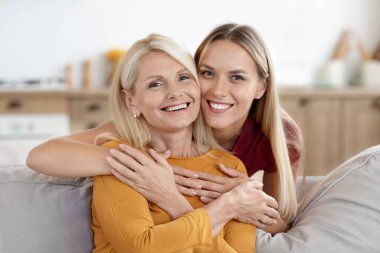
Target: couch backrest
(44, 214)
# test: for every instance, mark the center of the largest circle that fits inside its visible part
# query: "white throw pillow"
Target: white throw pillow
(339, 214)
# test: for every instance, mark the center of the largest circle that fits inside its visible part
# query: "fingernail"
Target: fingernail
(193, 192)
(112, 151)
(195, 176)
(108, 159)
(122, 146)
(198, 186)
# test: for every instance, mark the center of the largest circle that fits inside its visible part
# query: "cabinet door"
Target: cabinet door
(21, 104)
(361, 124)
(319, 121)
(88, 113)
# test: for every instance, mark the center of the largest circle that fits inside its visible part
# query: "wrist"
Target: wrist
(176, 208)
(222, 209)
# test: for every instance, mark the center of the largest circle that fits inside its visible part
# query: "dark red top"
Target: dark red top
(254, 149)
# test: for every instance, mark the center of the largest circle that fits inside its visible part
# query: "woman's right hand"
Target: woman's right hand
(151, 176)
(254, 206)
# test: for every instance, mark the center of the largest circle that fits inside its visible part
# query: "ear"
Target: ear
(130, 102)
(262, 87)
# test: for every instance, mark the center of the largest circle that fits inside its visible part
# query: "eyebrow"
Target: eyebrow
(206, 66)
(236, 71)
(153, 77)
(162, 77)
(183, 70)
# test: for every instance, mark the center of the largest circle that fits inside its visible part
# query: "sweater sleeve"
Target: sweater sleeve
(125, 220)
(236, 236)
(240, 237)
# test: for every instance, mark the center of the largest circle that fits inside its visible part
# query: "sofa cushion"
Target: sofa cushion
(340, 214)
(44, 214)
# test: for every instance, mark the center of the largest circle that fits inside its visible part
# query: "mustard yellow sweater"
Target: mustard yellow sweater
(124, 221)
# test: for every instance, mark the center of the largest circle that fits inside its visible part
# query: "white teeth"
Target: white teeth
(176, 108)
(219, 106)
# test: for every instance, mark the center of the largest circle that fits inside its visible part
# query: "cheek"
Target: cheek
(204, 86)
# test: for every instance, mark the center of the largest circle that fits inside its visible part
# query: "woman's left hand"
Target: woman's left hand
(213, 186)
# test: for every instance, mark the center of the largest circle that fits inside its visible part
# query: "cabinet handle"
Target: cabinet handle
(376, 103)
(304, 102)
(14, 104)
(93, 107)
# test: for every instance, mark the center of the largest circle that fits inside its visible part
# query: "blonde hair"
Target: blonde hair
(135, 131)
(266, 110)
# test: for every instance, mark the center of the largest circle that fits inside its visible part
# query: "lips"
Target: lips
(173, 108)
(219, 107)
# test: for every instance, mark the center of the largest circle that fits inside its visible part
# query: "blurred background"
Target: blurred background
(57, 57)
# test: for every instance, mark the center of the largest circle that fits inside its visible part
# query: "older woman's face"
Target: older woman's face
(229, 82)
(166, 94)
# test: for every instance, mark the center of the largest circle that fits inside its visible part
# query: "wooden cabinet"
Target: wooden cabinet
(85, 109)
(12, 102)
(319, 121)
(88, 110)
(336, 124)
(361, 123)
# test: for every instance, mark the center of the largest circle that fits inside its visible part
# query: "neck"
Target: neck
(228, 136)
(179, 143)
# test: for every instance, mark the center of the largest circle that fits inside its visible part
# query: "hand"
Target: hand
(150, 176)
(208, 186)
(252, 205)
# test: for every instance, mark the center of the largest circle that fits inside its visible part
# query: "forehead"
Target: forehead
(157, 62)
(227, 54)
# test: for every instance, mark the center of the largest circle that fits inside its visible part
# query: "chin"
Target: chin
(217, 123)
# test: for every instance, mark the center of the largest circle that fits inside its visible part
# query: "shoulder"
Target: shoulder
(228, 159)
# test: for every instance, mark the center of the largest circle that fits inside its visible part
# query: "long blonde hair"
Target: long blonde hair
(266, 110)
(134, 131)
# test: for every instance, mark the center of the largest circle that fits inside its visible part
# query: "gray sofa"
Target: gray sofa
(338, 213)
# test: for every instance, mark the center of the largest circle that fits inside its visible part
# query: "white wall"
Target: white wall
(39, 37)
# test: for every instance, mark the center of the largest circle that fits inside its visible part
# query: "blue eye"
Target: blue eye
(207, 74)
(237, 77)
(183, 78)
(154, 85)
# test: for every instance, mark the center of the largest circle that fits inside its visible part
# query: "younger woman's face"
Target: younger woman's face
(166, 94)
(229, 83)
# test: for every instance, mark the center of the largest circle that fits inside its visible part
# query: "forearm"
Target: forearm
(220, 212)
(68, 158)
(175, 205)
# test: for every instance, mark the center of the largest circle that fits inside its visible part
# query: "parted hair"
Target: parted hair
(135, 131)
(276, 123)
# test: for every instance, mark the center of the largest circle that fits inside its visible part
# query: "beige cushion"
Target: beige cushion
(43, 214)
(339, 214)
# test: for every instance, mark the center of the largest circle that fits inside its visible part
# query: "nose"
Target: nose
(174, 91)
(218, 88)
